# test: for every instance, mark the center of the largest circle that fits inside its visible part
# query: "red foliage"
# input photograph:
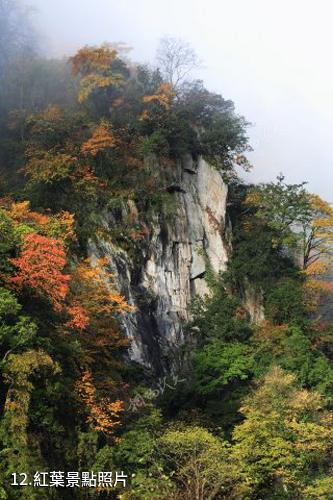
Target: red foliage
(40, 267)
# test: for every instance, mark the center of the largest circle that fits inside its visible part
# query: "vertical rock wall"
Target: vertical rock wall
(175, 261)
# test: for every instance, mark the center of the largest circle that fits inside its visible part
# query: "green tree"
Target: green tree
(301, 221)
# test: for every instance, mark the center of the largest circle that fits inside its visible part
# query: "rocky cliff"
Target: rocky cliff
(174, 262)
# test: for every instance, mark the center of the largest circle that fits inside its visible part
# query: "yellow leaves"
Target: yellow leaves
(21, 366)
(18, 370)
(94, 65)
(254, 198)
(100, 141)
(94, 291)
(51, 114)
(59, 226)
(314, 291)
(103, 413)
(163, 97)
(305, 400)
(20, 212)
(317, 268)
(93, 300)
(315, 286)
(90, 83)
(322, 224)
(49, 167)
(92, 59)
(321, 205)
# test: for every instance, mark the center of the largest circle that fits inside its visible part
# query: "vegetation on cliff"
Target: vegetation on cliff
(250, 414)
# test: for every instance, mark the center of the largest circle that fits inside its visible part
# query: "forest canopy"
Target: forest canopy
(250, 414)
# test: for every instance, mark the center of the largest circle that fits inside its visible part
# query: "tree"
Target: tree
(176, 59)
(301, 221)
(40, 268)
(219, 363)
(103, 413)
(94, 67)
(198, 462)
(318, 232)
(19, 451)
(16, 329)
(101, 140)
(285, 439)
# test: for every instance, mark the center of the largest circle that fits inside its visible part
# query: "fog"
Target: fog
(273, 59)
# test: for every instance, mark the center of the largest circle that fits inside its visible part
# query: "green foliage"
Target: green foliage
(282, 206)
(135, 449)
(284, 439)
(196, 460)
(216, 316)
(16, 330)
(108, 142)
(218, 364)
(293, 350)
(285, 302)
(7, 241)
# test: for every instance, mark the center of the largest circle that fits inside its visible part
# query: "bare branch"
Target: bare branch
(176, 59)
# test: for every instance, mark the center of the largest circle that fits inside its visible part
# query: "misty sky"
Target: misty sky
(273, 59)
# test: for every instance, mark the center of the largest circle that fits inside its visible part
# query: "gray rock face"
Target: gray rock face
(175, 261)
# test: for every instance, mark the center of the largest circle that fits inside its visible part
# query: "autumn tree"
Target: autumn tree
(100, 140)
(40, 267)
(318, 232)
(93, 308)
(94, 67)
(103, 413)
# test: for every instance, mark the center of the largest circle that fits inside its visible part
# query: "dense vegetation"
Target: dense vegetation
(249, 415)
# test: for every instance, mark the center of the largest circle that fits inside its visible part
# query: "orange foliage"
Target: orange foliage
(91, 59)
(163, 96)
(40, 267)
(79, 318)
(93, 292)
(315, 286)
(93, 64)
(93, 304)
(103, 413)
(20, 212)
(59, 226)
(100, 140)
(316, 268)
